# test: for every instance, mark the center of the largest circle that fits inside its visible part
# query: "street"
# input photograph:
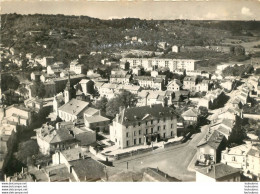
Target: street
(173, 161)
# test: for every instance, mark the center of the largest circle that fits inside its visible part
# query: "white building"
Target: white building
(139, 125)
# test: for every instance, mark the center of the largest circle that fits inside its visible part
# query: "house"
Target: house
(203, 86)
(77, 68)
(227, 84)
(120, 78)
(82, 167)
(34, 103)
(136, 71)
(210, 147)
(72, 110)
(131, 88)
(142, 125)
(65, 73)
(174, 85)
(190, 116)
(236, 156)
(253, 160)
(156, 175)
(36, 76)
(19, 114)
(189, 83)
(212, 99)
(47, 61)
(63, 136)
(175, 49)
(162, 45)
(55, 68)
(97, 122)
(44, 77)
(150, 82)
(87, 86)
(108, 90)
(218, 173)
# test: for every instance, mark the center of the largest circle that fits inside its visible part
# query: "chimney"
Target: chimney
(38, 167)
(80, 155)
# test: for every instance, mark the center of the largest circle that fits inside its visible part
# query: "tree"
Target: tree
(101, 104)
(238, 133)
(38, 89)
(26, 150)
(124, 99)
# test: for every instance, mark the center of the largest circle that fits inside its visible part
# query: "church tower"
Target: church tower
(69, 91)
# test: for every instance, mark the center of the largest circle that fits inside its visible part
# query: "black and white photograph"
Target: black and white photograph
(129, 91)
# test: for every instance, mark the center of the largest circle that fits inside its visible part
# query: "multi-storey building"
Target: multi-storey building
(140, 125)
(151, 63)
(189, 83)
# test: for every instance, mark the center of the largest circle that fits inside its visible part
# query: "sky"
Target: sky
(144, 9)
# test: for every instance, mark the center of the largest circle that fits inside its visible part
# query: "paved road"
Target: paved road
(173, 161)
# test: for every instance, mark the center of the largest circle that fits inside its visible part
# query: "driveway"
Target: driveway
(173, 161)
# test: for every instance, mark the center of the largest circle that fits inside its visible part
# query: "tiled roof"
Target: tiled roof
(91, 111)
(191, 113)
(73, 154)
(74, 106)
(255, 151)
(238, 150)
(96, 119)
(88, 169)
(218, 171)
(142, 113)
(155, 175)
(213, 139)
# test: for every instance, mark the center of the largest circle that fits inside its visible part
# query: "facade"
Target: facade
(77, 68)
(190, 116)
(150, 82)
(65, 135)
(210, 147)
(236, 156)
(189, 83)
(218, 173)
(140, 125)
(174, 85)
(151, 63)
(175, 49)
(253, 160)
(120, 78)
(107, 90)
(19, 114)
(203, 86)
(211, 100)
(87, 86)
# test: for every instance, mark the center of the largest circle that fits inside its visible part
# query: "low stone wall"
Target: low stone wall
(133, 153)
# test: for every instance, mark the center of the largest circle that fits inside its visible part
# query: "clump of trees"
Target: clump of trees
(38, 89)
(111, 107)
(9, 81)
(238, 70)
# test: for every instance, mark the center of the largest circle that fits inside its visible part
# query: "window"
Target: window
(151, 130)
(127, 143)
(126, 126)
(146, 123)
(151, 121)
(134, 133)
(146, 131)
(134, 141)
(139, 132)
(140, 140)
(171, 125)
(164, 127)
(233, 158)
(158, 128)
(139, 123)
(127, 134)
(171, 133)
(164, 135)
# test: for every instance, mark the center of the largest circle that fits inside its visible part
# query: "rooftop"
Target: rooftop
(213, 139)
(218, 171)
(96, 119)
(74, 107)
(145, 113)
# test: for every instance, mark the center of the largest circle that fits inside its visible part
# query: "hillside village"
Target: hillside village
(123, 119)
